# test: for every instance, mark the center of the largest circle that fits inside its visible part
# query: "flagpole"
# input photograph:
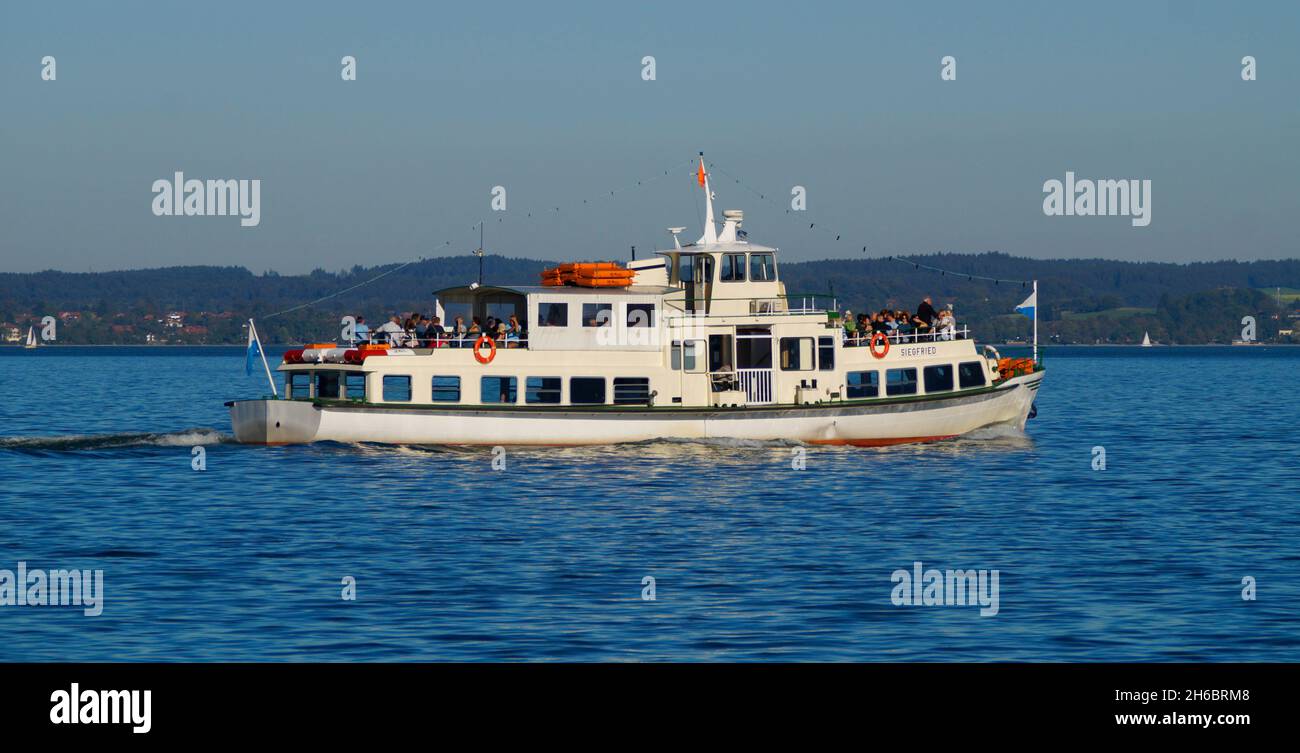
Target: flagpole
(1035, 322)
(262, 352)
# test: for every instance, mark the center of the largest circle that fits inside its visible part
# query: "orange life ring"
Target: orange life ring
(872, 346)
(478, 345)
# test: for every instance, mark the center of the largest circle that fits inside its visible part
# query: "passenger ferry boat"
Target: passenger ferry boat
(704, 342)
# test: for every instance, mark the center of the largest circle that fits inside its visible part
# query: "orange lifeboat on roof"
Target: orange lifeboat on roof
(594, 274)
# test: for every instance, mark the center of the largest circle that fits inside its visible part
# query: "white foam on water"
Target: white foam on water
(183, 438)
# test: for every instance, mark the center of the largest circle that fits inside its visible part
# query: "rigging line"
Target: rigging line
(812, 226)
(658, 174)
(967, 275)
(347, 289)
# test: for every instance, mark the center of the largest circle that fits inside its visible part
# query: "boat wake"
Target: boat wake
(123, 440)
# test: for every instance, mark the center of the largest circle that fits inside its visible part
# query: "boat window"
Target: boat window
(971, 374)
(733, 268)
(587, 390)
(900, 382)
(695, 268)
(542, 390)
(354, 385)
(796, 354)
(720, 353)
(497, 389)
(300, 385)
(826, 353)
(631, 390)
(688, 356)
(863, 384)
(552, 314)
(640, 315)
(446, 389)
(938, 378)
(327, 385)
(397, 389)
(693, 360)
(597, 314)
(762, 268)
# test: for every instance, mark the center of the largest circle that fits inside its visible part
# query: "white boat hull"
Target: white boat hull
(864, 423)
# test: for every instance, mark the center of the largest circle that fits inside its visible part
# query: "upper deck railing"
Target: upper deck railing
(446, 340)
(861, 339)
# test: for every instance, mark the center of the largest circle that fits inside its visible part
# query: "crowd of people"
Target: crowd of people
(419, 331)
(901, 326)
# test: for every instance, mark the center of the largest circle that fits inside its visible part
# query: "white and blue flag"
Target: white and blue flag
(1027, 308)
(254, 351)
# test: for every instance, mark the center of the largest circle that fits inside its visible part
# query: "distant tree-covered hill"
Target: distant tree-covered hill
(1081, 300)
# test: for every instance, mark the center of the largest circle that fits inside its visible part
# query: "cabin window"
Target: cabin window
(327, 385)
(597, 314)
(688, 356)
(796, 354)
(640, 315)
(900, 382)
(762, 268)
(863, 384)
(552, 314)
(733, 268)
(446, 389)
(300, 385)
(397, 389)
(542, 390)
(826, 353)
(354, 385)
(631, 390)
(587, 390)
(497, 389)
(938, 378)
(971, 374)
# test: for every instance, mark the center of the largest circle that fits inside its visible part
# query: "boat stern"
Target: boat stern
(268, 421)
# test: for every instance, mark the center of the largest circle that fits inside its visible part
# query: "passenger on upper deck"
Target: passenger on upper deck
(946, 325)
(925, 313)
(392, 329)
(514, 332)
(362, 330)
(458, 332)
(850, 326)
(434, 334)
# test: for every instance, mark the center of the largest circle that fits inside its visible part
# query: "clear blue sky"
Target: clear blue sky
(547, 100)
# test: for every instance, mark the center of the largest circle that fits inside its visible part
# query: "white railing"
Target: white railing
(854, 339)
(757, 384)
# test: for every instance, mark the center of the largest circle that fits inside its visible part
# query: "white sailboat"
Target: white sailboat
(31, 338)
(702, 342)
(1146, 339)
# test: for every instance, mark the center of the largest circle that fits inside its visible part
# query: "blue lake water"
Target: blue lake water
(752, 560)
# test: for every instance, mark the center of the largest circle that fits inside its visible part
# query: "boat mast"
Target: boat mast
(1035, 321)
(710, 231)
